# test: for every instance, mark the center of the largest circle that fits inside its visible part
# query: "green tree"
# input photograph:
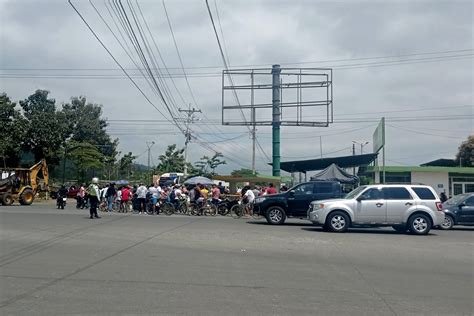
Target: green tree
(125, 165)
(207, 165)
(172, 160)
(46, 129)
(86, 157)
(86, 124)
(465, 155)
(12, 131)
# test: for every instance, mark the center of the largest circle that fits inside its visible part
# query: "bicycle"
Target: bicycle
(167, 208)
(124, 207)
(224, 207)
(239, 210)
(206, 208)
(103, 206)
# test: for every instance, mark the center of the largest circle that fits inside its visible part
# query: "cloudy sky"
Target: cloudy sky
(410, 61)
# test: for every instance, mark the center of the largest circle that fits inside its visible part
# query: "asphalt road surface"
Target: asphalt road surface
(60, 262)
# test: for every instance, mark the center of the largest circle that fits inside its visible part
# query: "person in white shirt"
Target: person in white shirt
(177, 193)
(153, 190)
(247, 198)
(141, 195)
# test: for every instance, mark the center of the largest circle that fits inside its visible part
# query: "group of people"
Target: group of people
(141, 197)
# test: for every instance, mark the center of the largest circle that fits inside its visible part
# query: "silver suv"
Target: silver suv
(416, 208)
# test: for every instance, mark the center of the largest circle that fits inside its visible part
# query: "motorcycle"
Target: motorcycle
(224, 206)
(61, 202)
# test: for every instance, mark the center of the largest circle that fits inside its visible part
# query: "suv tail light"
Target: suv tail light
(439, 205)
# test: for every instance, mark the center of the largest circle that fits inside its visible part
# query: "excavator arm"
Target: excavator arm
(34, 171)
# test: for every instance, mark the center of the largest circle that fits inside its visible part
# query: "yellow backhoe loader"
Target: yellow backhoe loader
(22, 184)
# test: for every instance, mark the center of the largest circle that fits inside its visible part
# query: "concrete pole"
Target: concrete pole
(185, 171)
(276, 120)
(149, 145)
(190, 119)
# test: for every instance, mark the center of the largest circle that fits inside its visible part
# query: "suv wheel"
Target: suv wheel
(275, 215)
(337, 222)
(419, 224)
(448, 222)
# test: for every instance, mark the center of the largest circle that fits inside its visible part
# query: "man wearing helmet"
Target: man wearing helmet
(93, 193)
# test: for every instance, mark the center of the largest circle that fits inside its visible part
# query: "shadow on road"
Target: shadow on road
(464, 229)
(369, 231)
(260, 222)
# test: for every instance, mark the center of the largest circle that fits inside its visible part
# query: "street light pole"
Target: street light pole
(362, 144)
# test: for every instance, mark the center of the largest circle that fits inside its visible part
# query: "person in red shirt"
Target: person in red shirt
(271, 189)
(125, 199)
(215, 193)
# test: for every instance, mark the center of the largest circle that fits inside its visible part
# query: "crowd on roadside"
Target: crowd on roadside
(140, 198)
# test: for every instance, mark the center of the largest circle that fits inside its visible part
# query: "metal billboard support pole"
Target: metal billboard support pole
(276, 120)
(253, 118)
(383, 152)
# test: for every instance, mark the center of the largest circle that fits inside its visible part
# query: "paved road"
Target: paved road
(60, 262)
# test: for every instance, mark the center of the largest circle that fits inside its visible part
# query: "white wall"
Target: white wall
(432, 179)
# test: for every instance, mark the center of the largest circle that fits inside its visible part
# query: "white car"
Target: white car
(416, 208)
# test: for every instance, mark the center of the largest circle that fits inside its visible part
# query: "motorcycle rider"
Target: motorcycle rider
(93, 193)
(62, 193)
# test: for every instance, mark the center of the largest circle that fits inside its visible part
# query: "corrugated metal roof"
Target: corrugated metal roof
(323, 163)
(468, 170)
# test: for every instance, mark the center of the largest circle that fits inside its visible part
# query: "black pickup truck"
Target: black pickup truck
(295, 202)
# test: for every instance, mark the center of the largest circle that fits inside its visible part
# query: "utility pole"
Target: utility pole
(276, 123)
(353, 154)
(190, 119)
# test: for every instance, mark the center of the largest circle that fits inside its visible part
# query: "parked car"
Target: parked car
(416, 208)
(459, 210)
(295, 202)
(73, 191)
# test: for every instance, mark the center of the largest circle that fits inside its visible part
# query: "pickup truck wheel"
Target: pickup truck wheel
(448, 222)
(419, 224)
(337, 222)
(275, 215)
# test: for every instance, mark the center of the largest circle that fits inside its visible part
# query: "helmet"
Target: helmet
(95, 180)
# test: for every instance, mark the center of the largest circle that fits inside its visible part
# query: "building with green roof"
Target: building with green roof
(451, 180)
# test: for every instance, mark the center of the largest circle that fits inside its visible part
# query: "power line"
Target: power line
(418, 131)
(178, 53)
(354, 120)
(219, 75)
(160, 56)
(312, 156)
(115, 60)
(268, 64)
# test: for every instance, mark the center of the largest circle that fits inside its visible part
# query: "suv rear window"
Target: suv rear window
(396, 194)
(424, 193)
(321, 187)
